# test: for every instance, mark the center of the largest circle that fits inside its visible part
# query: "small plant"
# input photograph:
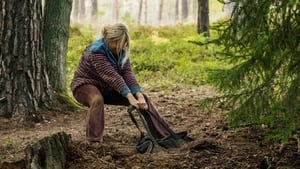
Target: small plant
(12, 144)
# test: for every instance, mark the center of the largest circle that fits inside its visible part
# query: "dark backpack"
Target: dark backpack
(148, 141)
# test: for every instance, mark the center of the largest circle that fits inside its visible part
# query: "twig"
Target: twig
(2, 99)
(104, 161)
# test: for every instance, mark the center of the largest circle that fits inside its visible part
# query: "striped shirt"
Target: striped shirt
(96, 68)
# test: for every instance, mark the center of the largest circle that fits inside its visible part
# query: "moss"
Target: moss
(66, 101)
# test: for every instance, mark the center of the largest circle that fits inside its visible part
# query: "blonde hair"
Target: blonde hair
(118, 33)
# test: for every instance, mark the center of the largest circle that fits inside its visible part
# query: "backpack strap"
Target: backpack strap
(174, 139)
(146, 143)
(130, 110)
(163, 124)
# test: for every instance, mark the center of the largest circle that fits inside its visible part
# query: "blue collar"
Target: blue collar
(101, 46)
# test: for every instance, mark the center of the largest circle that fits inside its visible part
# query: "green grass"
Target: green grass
(168, 53)
(160, 56)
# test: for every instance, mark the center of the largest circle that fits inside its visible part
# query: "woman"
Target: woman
(104, 76)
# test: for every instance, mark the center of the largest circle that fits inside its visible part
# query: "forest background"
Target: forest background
(168, 47)
(250, 56)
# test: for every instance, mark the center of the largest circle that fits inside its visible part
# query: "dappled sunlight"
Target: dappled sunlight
(158, 40)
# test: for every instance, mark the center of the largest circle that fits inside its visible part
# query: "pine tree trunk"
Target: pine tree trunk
(161, 5)
(24, 84)
(48, 153)
(51, 152)
(176, 11)
(203, 17)
(116, 10)
(194, 9)
(56, 35)
(81, 11)
(75, 11)
(94, 8)
(140, 12)
(185, 11)
(145, 12)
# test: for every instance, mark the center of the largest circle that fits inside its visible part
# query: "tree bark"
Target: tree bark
(160, 12)
(81, 11)
(203, 17)
(184, 10)
(24, 84)
(140, 12)
(145, 12)
(48, 153)
(194, 9)
(75, 11)
(51, 152)
(176, 11)
(56, 35)
(94, 8)
(116, 10)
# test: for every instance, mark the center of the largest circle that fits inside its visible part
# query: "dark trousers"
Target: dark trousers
(90, 96)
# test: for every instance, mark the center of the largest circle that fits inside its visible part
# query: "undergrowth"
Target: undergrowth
(160, 56)
(165, 57)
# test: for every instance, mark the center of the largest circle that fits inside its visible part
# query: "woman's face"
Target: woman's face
(113, 46)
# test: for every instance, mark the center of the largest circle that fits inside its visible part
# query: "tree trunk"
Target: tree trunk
(94, 8)
(81, 11)
(145, 12)
(56, 35)
(184, 9)
(116, 10)
(48, 153)
(140, 12)
(161, 5)
(51, 152)
(176, 11)
(24, 84)
(203, 17)
(194, 9)
(75, 11)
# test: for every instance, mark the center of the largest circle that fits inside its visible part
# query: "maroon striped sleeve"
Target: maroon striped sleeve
(108, 73)
(129, 78)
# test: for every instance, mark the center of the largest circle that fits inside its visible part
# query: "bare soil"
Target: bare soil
(215, 145)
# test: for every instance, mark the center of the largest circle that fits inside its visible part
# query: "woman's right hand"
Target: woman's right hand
(132, 100)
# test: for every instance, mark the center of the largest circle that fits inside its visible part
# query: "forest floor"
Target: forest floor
(215, 145)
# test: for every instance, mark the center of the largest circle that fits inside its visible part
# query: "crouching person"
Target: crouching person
(104, 76)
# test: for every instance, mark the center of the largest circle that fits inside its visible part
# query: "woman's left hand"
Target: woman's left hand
(141, 101)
